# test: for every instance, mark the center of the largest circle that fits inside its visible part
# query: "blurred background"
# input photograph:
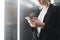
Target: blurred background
(27, 6)
(10, 20)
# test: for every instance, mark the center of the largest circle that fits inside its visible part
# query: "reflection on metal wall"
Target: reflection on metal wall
(25, 7)
(10, 19)
(57, 2)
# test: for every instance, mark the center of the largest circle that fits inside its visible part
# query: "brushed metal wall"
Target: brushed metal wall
(10, 20)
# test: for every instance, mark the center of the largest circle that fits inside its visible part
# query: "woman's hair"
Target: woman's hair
(49, 0)
(46, 1)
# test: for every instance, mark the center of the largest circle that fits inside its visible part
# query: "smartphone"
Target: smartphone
(27, 18)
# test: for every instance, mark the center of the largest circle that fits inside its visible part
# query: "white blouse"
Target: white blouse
(41, 17)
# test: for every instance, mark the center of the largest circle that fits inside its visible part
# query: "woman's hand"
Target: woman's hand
(35, 22)
(32, 24)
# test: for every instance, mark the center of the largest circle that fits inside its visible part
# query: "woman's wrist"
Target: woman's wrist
(43, 25)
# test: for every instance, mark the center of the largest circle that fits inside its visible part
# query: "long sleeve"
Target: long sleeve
(54, 25)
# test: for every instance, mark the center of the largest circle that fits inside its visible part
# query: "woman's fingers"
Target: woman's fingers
(32, 24)
(35, 18)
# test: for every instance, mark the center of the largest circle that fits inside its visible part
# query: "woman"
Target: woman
(48, 22)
